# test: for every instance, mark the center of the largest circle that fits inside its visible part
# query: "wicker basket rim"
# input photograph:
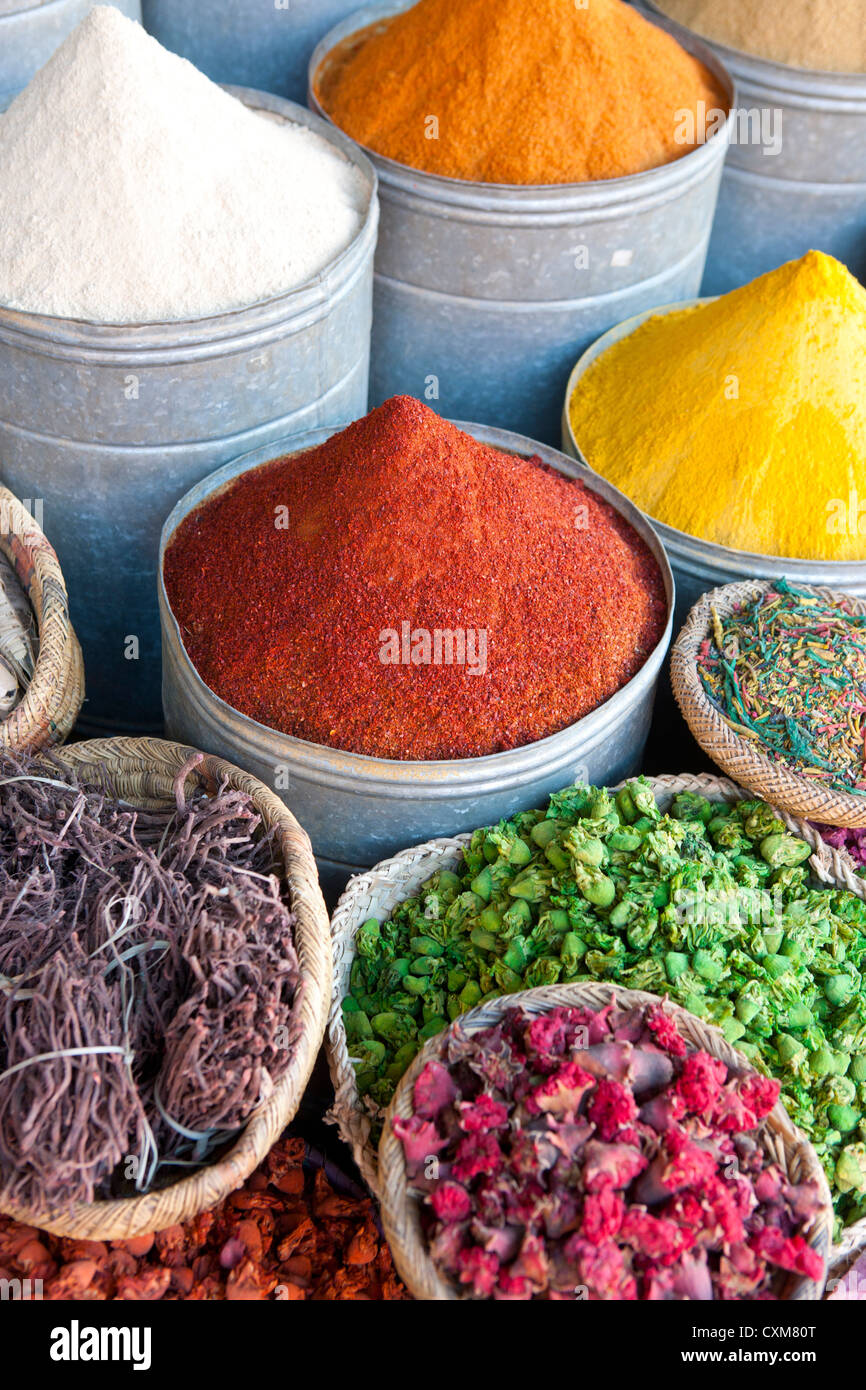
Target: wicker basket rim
(401, 1210)
(735, 754)
(154, 763)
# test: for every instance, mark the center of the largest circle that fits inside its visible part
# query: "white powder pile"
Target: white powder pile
(134, 190)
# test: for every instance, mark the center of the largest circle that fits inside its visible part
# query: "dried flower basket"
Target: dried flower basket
(377, 893)
(52, 701)
(401, 1209)
(738, 755)
(142, 771)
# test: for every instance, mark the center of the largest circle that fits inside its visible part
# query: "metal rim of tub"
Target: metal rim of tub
(377, 892)
(143, 770)
(198, 338)
(528, 202)
(714, 565)
(782, 1141)
(742, 758)
(344, 771)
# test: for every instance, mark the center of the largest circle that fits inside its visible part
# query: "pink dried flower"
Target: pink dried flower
(547, 1038)
(421, 1140)
(655, 1237)
(451, 1202)
(723, 1224)
(480, 1269)
(759, 1094)
(793, 1253)
(482, 1114)
(603, 1214)
(610, 1107)
(615, 1165)
(512, 1287)
(604, 1269)
(562, 1093)
(532, 1263)
(700, 1081)
(665, 1030)
(434, 1090)
(477, 1153)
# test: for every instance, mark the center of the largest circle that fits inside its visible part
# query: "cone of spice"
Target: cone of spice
(407, 592)
(476, 91)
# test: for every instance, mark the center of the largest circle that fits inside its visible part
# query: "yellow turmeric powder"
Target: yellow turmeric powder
(742, 421)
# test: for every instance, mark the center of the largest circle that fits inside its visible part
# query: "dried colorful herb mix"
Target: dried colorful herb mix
(147, 977)
(711, 903)
(851, 840)
(788, 671)
(292, 1232)
(590, 1155)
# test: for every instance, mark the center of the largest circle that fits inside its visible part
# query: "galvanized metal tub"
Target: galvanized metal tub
(30, 31)
(699, 565)
(356, 809)
(264, 44)
(812, 195)
(109, 426)
(486, 293)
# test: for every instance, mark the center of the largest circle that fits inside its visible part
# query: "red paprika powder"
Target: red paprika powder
(406, 592)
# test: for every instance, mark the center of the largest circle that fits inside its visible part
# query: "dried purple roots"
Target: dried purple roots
(147, 977)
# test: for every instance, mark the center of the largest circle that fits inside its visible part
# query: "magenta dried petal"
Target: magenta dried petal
(741, 1273)
(501, 1241)
(532, 1263)
(559, 1213)
(613, 1164)
(446, 1245)
(610, 1107)
(569, 1138)
(759, 1094)
(700, 1081)
(480, 1269)
(434, 1090)
(662, 1112)
(546, 1038)
(603, 1213)
(451, 1202)
(655, 1237)
(690, 1279)
(665, 1031)
(793, 1253)
(477, 1153)
(605, 1060)
(482, 1114)
(599, 1026)
(511, 1287)
(532, 1153)
(421, 1141)
(561, 1093)
(604, 1269)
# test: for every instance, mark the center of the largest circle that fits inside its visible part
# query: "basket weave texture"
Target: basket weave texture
(401, 1209)
(740, 757)
(376, 894)
(53, 700)
(142, 771)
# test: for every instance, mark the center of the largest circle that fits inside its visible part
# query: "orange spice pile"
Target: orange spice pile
(498, 91)
(286, 1235)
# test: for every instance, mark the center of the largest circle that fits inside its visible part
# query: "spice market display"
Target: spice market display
(280, 1016)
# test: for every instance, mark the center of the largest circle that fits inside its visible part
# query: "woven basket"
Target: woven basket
(52, 701)
(142, 771)
(401, 1209)
(376, 894)
(741, 757)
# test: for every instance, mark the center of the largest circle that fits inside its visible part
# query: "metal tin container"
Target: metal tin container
(30, 31)
(486, 293)
(110, 425)
(812, 194)
(699, 565)
(358, 810)
(252, 43)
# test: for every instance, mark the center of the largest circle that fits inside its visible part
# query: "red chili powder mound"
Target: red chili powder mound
(293, 585)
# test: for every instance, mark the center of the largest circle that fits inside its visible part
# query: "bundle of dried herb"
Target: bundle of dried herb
(296, 1230)
(590, 1155)
(147, 978)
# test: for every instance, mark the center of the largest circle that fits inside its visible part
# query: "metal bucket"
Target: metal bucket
(109, 426)
(698, 565)
(252, 43)
(486, 293)
(810, 196)
(358, 810)
(30, 31)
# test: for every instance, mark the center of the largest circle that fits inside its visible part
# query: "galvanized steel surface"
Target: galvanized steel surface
(356, 809)
(264, 44)
(30, 32)
(699, 565)
(486, 293)
(812, 194)
(109, 426)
